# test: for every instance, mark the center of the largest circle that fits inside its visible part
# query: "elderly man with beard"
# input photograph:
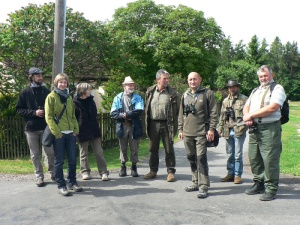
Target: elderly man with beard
(262, 114)
(127, 109)
(233, 129)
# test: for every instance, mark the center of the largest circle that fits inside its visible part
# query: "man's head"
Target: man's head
(162, 78)
(35, 75)
(194, 80)
(128, 85)
(233, 87)
(265, 75)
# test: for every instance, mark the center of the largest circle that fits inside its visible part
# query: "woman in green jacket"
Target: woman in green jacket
(65, 132)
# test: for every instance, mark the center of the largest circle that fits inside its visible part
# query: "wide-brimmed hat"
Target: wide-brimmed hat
(34, 70)
(128, 80)
(232, 83)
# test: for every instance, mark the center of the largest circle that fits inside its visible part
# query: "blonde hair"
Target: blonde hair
(59, 77)
(82, 88)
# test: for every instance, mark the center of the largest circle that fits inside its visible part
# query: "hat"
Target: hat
(34, 70)
(232, 83)
(128, 80)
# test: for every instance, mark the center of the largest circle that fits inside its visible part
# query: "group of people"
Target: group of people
(166, 114)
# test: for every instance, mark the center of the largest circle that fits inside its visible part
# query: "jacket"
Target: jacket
(27, 105)
(193, 124)
(134, 115)
(87, 119)
(239, 126)
(53, 107)
(172, 113)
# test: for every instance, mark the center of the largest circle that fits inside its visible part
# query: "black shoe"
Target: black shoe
(52, 177)
(63, 191)
(267, 196)
(75, 188)
(257, 188)
(40, 182)
(123, 171)
(134, 172)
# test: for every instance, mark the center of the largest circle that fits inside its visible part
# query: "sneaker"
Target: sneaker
(193, 187)
(227, 178)
(123, 171)
(171, 177)
(104, 177)
(202, 193)
(63, 191)
(237, 180)
(150, 175)
(86, 176)
(267, 196)
(40, 182)
(257, 188)
(75, 188)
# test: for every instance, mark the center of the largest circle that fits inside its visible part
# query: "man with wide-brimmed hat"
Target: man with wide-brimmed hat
(233, 129)
(127, 109)
(31, 107)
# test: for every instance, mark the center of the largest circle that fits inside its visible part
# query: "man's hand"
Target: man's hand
(210, 135)
(180, 136)
(39, 113)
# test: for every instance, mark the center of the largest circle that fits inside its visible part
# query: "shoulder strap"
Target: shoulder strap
(205, 100)
(60, 115)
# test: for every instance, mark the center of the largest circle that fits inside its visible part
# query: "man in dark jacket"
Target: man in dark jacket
(31, 107)
(127, 109)
(161, 115)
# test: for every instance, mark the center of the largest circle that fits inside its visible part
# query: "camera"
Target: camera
(229, 113)
(252, 128)
(189, 109)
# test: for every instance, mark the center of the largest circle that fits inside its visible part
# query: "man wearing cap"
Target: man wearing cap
(127, 109)
(233, 129)
(30, 106)
(161, 118)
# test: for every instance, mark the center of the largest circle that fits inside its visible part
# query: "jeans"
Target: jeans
(234, 150)
(34, 139)
(65, 144)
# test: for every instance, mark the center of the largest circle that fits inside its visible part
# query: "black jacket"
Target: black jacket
(30, 99)
(87, 119)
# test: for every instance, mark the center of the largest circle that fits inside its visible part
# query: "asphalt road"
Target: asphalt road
(137, 201)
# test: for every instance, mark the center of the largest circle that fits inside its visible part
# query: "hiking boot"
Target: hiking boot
(134, 172)
(257, 188)
(86, 176)
(267, 196)
(228, 178)
(40, 182)
(193, 187)
(202, 193)
(150, 175)
(123, 171)
(75, 188)
(170, 177)
(237, 180)
(63, 191)
(104, 177)
(53, 177)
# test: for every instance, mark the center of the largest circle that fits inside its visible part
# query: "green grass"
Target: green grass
(289, 161)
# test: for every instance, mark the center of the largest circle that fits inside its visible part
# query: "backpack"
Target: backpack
(285, 109)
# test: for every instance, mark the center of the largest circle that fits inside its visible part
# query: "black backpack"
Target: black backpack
(285, 109)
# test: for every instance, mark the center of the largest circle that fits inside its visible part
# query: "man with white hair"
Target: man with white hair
(127, 109)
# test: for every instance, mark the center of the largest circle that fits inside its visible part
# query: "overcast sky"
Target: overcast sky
(239, 19)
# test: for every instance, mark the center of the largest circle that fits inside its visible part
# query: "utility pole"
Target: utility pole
(59, 38)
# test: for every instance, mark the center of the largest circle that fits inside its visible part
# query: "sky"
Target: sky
(239, 19)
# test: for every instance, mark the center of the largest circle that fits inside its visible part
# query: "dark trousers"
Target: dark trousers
(66, 144)
(159, 130)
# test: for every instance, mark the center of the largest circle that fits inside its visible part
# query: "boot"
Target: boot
(258, 187)
(134, 172)
(123, 171)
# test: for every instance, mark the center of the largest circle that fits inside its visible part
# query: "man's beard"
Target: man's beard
(39, 82)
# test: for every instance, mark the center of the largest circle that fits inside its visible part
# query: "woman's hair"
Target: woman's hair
(82, 88)
(59, 77)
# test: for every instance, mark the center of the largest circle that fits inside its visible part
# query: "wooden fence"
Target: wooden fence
(13, 143)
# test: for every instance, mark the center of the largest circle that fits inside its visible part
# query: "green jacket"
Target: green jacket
(173, 109)
(239, 126)
(193, 124)
(53, 108)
